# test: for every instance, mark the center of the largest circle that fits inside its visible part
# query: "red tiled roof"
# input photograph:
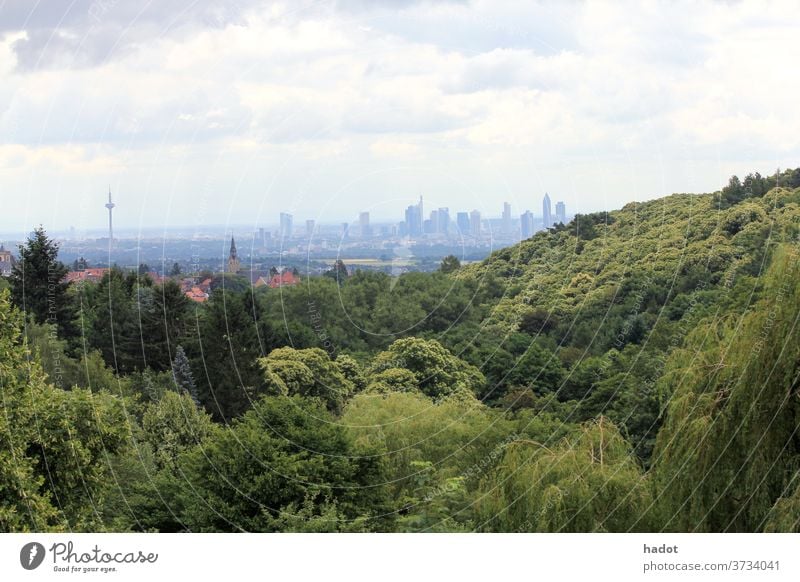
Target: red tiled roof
(284, 279)
(92, 274)
(197, 294)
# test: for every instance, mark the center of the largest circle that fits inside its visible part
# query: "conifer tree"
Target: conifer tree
(39, 286)
(182, 373)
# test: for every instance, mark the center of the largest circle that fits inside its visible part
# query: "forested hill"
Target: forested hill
(635, 370)
(638, 259)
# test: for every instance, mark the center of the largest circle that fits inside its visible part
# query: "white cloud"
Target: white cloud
(540, 93)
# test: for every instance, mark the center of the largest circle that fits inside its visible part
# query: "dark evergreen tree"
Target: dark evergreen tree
(733, 193)
(450, 264)
(232, 335)
(338, 272)
(80, 264)
(112, 315)
(163, 320)
(39, 285)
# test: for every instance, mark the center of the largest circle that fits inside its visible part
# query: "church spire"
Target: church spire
(233, 259)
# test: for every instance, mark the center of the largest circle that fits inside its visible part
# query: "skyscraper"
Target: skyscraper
(526, 224)
(311, 225)
(432, 225)
(110, 205)
(475, 223)
(506, 217)
(443, 221)
(561, 212)
(286, 225)
(462, 221)
(547, 216)
(414, 219)
(363, 222)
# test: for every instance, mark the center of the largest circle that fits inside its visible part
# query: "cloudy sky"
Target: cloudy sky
(197, 114)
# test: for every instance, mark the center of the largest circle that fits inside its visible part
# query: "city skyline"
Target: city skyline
(441, 225)
(466, 222)
(472, 103)
(440, 221)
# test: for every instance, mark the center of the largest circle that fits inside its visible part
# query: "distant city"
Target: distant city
(417, 242)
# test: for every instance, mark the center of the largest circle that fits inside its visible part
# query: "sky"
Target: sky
(200, 112)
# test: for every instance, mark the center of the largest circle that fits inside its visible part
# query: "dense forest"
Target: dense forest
(633, 370)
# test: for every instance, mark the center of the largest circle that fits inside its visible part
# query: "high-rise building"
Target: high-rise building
(443, 221)
(526, 224)
(462, 221)
(547, 216)
(506, 217)
(345, 229)
(475, 223)
(412, 221)
(414, 224)
(233, 259)
(286, 225)
(363, 223)
(311, 225)
(561, 212)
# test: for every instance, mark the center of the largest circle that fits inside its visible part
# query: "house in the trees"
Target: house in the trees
(6, 261)
(284, 279)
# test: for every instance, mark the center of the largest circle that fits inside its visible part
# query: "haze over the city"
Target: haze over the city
(194, 114)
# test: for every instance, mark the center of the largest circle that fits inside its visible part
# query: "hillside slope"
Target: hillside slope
(645, 259)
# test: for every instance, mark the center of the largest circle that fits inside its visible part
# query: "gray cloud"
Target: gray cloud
(85, 33)
(82, 33)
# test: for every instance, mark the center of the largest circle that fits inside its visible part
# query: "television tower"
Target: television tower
(110, 207)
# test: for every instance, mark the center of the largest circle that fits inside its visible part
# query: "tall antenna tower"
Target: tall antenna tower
(110, 205)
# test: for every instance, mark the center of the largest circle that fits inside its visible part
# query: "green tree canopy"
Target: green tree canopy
(309, 372)
(54, 444)
(284, 461)
(437, 372)
(728, 452)
(590, 482)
